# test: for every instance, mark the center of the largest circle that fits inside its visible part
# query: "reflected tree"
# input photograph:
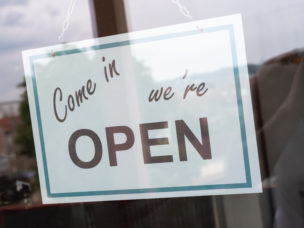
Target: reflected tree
(24, 136)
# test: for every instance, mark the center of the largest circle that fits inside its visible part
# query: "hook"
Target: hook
(199, 29)
(52, 53)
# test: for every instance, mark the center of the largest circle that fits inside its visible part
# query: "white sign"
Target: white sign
(165, 112)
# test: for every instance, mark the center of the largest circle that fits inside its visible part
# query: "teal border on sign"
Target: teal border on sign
(230, 29)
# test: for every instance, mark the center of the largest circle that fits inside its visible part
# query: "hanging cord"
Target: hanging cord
(182, 9)
(66, 22)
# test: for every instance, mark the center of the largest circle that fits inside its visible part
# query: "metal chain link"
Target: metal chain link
(66, 22)
(182, 8)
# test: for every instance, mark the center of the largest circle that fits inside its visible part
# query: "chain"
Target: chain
(182, 9)
(66, 22)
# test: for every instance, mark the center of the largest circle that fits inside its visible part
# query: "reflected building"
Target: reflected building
(11, 163)
(8, 121)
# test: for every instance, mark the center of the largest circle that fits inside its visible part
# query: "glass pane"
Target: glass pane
(274, 40)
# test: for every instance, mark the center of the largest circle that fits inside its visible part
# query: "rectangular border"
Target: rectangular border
(230, 29)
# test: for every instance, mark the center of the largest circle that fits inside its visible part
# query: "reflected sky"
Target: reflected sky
(270, 27)
(27, 24)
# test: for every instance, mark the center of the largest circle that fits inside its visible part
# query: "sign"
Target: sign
(165, 112)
